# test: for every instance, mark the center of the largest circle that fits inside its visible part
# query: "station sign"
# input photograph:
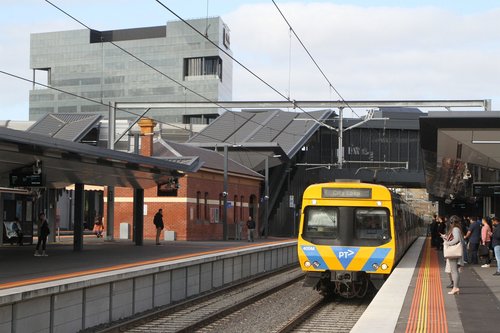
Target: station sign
(485, 189)
(19, 179)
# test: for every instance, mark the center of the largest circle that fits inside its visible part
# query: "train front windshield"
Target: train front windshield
(348, 226)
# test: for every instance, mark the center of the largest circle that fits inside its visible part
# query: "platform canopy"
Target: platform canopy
(253, 136)
(60, 163)
(452, 140)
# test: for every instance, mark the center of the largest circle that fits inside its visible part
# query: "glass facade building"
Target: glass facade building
(85, 63)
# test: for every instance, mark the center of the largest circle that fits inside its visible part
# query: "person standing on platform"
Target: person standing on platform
(474, 237)
(251, 229)
(441, 229)
(465, 227)
(434, 231)
(16, 226)
(453, 265)
(158, 222)
(486, 240)
(98, 226)
(43, 233)
(495, 241)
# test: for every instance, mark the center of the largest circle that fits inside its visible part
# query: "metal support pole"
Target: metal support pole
(110, 211)
(52, 212)
(78, 226)
(340, 151)
(139, 216)
(110, 214)
(266, 199)
(224, 195)
(111, 126)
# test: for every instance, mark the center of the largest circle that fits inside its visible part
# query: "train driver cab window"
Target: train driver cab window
(320, 222)
(372, 224)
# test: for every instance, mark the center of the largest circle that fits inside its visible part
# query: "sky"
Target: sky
(368, 49)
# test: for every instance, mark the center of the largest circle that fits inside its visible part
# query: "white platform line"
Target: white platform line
(382, 314)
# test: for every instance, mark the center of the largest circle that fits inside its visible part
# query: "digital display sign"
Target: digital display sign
(351, 193)
(25, 180)
(485, 190)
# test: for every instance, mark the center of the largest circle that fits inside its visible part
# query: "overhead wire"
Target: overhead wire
(331, 86)
(242, 65)
(169, 77)
(119, 109)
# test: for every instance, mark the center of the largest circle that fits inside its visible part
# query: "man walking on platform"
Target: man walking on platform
(43, 233)
(251, 229)
(158, 222)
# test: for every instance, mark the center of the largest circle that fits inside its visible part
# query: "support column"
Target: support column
(139, 216)
(110, 214)
(266, 199)
(79, 215)
(224, 196)
(340, 151)
(110, 210)
(51, 214)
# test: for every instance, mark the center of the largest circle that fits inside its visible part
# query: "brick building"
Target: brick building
(193, 203)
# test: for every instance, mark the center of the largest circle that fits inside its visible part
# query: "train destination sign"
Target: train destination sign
(353, 193)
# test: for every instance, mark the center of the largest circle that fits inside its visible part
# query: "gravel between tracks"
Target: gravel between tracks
(267, 314)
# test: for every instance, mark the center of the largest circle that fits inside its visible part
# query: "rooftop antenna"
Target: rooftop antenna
(206, 23)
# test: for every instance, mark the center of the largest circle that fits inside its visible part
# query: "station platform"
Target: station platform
(415, 297)
(21, 268)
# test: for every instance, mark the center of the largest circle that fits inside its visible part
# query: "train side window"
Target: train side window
(321, 222)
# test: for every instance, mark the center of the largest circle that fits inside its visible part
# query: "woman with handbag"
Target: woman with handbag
(453, 252)
(484, 247)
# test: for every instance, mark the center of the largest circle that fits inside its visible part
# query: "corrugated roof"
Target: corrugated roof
(259, 133)
(288, 129)
(64, 162)
(209, 158)
(65, 126)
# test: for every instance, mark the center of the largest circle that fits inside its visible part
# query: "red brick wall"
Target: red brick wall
(181, 216)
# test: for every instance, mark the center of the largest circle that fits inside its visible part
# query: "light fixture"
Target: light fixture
(486, 141)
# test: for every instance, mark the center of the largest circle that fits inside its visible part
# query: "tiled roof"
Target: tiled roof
(210, 158)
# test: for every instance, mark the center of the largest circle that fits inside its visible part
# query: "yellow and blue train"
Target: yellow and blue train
(352, 235)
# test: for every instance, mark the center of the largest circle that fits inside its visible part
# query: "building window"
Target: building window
(203, 67)
(235, 209)
(206, 212)
(241, 209)
(198, 208)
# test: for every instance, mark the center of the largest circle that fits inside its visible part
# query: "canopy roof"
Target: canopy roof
(63, 162)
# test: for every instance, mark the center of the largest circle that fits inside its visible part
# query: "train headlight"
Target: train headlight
(384, 266)
(375, 266)
(307, 264)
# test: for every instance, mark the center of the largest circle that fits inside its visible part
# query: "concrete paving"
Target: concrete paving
(19, 263)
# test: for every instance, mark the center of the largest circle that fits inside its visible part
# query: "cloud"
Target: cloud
(367, 52)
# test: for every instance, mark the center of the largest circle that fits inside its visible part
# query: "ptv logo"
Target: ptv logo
(345, 254)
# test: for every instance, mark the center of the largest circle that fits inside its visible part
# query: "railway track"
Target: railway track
(325, 315)
(191, 315)
(276, 303)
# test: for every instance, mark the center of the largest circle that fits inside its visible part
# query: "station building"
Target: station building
(90, 63)
(192, 203)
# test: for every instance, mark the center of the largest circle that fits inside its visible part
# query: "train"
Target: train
(352, 235)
